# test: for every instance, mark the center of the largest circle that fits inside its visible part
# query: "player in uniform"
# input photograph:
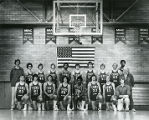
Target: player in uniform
(63, 94)
(108, 94)
(41, 79)
(76, 73)
(53, 73)
(29, 73)
(115, 76)
(49, 90)
(36, 93)
(102, 76)
(94, 93)
(21, 93)
(122, 66)
(78, 94)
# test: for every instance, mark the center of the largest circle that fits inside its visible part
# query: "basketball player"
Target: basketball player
(41, 79)
(53, 73)
(76, 73)
(21, 93)
(123, 94)
(102, 76)
(29, 73)
(63, 93)
(122, 66)
(78, 94)
(108, 93)
(49, 90)
(94, 93)
(129, 80)
(115, 76)
(65, 72)
(15, 73)
(36, 93)
(90, 72)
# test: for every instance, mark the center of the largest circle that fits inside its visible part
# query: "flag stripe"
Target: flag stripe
(73, 55)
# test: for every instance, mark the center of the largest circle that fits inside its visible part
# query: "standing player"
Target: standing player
(41, 79)
(76, 73)
(29, 73)
(123, 94)
(78, 94)
(115, 76)
(53, 73)
(36, 93)
(63, 93)
(108, 93)
(102, 76)
(122, 66)
(15, 73)
(94, 93)
(21, 93)
(49, 90)
(65, 72)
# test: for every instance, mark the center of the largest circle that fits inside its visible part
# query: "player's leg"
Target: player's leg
(120, 105)
(19, 106)
(114, 102)
(69, 103)
(24, 100)
(99, 98)
(127, 103)
(12, 98)
(61, 106)
(55, 103)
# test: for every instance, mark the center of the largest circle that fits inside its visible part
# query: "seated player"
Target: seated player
(41, 79)
(108, 94)
(63, 94)
(94, 93)
(123, 93)
(115, 76)
(21, 93)
(49, 91)
(36, 93)
(78, 94)
(102, 76)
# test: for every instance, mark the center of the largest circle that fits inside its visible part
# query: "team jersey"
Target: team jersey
(114, 77)
(41, 77)
(76, 74)
(29, 76)
(54, 75)
(109, 90)
(65, 73)
(89, 74)
(63, 90)
(78, 90)
(35, 90)
(94, 89)
(49, 88)
(102, 78)
(21, 90)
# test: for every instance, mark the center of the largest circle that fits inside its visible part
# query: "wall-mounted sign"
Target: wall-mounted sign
(49, 35)
(143, 35)
(28, 35)
(120, 35)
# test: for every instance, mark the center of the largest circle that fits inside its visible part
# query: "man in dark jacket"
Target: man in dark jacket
(15, 73)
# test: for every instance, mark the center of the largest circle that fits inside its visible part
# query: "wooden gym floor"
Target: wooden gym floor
(72, 115)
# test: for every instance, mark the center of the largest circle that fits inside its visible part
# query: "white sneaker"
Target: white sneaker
(69, 109)
(25, 107)
(133, 110)
(55, 108)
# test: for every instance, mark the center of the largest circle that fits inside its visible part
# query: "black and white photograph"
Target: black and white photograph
(74, 59)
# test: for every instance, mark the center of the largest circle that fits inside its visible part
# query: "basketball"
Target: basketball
(40, 99)
(99, 97)
(25, 97)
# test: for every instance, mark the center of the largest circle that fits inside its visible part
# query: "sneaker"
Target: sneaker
(133, 110)
(25, 108)
(12, 109)
(55, 108)
(69, 109)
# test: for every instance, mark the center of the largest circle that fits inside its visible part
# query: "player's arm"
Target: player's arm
(26, 86)
(113, 85)
(44, 88)
(53, 88)
(99, 88)
(58, 90)
(40, 85)
(104, 96)
(68, 90)
(88, 89)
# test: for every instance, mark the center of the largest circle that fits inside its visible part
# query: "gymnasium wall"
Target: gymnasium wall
(12, 47)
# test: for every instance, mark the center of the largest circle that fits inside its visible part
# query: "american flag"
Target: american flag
(73, 55)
